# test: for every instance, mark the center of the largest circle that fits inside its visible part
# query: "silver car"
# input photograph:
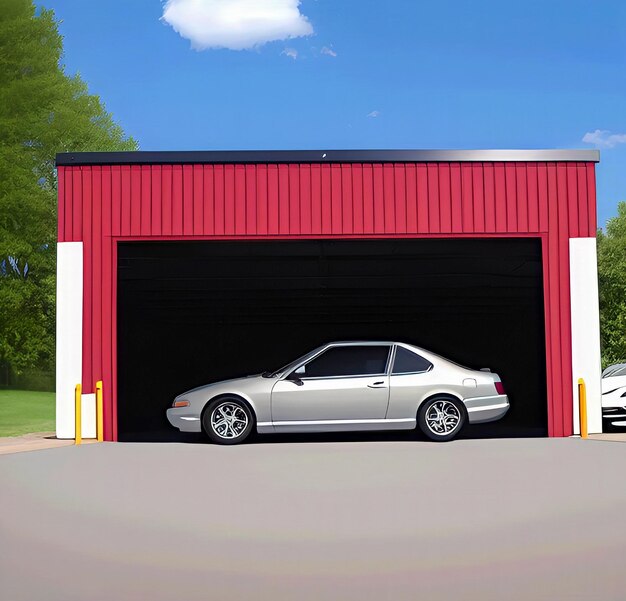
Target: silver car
(346, 386)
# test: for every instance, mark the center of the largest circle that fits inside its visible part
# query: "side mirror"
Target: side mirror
(293, 376)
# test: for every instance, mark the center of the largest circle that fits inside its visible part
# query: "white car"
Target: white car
(614, 395)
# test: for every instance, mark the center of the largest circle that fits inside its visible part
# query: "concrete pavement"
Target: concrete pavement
(387, 519)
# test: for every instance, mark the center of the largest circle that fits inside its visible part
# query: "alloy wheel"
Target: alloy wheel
(228, 420)
(443, 417)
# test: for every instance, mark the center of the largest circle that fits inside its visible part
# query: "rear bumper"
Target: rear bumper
(487, 408)
(183, 420)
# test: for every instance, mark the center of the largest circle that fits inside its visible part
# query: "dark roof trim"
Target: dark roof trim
(323, 156)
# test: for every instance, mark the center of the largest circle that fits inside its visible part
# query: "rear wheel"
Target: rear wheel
(441, 418)
(228, 420)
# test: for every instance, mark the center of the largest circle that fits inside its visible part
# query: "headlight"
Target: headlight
(178, 404)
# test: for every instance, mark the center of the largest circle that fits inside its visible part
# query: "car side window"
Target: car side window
(349, 361)
(407, 362)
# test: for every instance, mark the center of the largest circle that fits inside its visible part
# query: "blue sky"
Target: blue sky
(362, 74)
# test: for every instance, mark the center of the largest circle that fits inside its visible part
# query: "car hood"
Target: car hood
(233, 384)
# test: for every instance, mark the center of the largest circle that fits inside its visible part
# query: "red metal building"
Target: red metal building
(108, 198)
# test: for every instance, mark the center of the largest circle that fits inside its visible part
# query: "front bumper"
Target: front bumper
(615, 416)
(184, 420)
(487, 408)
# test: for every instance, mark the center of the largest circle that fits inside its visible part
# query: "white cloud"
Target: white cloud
(236, 24)
(603, 138)
(291, 53)
(328, 51)
(373, 114)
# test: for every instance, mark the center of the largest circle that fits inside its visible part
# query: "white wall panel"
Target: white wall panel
(88, 416)
(586, 361)
(69, 342)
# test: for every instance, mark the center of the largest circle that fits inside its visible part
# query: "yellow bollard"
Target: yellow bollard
(99, 412)
(582, 407)
(77, 412)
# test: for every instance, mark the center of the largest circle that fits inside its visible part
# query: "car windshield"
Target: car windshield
(290, 366)
(619, 369)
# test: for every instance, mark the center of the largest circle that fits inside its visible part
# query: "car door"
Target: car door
(343, 383)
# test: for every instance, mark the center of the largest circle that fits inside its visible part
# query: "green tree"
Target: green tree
(612, 283)
(42, 111)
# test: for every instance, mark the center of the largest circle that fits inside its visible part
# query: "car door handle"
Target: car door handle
(376, 384)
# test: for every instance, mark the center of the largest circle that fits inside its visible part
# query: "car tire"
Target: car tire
(441, 418)
(228, 420)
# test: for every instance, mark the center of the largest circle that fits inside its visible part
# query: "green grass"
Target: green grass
(24, 411)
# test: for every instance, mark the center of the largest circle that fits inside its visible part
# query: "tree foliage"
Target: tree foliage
(42, 111)
(612, 283)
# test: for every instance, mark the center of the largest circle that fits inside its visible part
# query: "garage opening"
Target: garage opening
(190, 313)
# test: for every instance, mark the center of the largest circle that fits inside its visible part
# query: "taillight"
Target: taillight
(499, 387)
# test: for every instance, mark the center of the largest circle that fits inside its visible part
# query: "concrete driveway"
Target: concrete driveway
(315, 520)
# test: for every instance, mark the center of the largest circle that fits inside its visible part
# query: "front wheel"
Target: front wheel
(441, 418)
(228, 421)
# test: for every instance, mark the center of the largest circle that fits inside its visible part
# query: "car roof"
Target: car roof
(351, 342)
(348, 342)
(375, 343)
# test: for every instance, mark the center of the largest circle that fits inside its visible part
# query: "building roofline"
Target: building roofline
(324, 156)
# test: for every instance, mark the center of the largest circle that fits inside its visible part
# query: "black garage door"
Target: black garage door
(190, 313)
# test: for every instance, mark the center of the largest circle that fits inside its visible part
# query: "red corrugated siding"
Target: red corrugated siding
(98, 205)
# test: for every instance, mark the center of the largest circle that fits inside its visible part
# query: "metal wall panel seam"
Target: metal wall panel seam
(77, 207)
(135, 200)
(572, 202)
(411, 198)
(583, 211)
(531, 191)
(434, 208)
(240, 200)
(293, 201)
(87, 205)
(511, 197)
(389, 198)
(283, 199)
(490, 198)
(553, 324)
(187, 193)
(272, 200)
(561, 232)
(521, 197)
(368, 199)
(379, 198)
(96, 273)
(421, 186)
(125, 220)
(250, 199)
(591, 200)
(146, 200)
(198, 199)
(61, 204)
(156, 207)
(477, 201)
(218, 199)
(336, 216)
(261, 198)
(549, 343)
(114, 271)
